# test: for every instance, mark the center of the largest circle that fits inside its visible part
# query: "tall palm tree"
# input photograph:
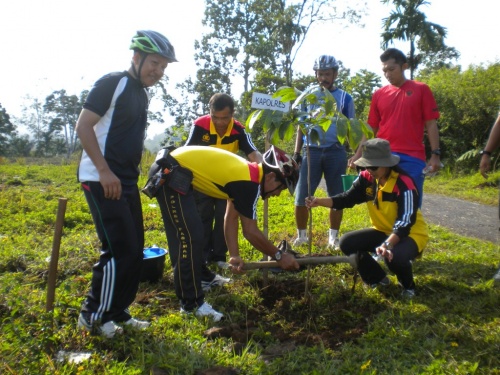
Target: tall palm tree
(408, 23)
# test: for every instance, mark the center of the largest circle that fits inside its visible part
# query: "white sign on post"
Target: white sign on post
(264, 101)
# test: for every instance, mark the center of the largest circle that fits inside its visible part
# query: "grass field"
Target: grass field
(273, 326)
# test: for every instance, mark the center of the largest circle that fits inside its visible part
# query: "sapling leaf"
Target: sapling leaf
(252, 119)
(315, 136)
(342, 128)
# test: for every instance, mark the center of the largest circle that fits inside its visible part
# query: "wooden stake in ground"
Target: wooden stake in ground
(54, 257)
(265, 230)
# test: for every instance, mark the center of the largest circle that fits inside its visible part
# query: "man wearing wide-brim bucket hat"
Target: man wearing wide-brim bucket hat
(398, 233)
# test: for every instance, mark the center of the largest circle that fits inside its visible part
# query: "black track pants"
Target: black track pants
(365, 241)
(184, 230)
(120, 228)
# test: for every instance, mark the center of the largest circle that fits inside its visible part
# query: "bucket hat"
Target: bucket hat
(377, 153)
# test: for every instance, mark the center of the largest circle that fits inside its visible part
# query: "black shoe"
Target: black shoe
(384, 282)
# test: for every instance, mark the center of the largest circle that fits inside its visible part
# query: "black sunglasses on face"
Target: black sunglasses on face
(373, 169)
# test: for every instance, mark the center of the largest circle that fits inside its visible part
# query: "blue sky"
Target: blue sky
(53, 44)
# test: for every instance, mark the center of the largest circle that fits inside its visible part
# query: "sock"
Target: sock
(332, 233)
(302, 233)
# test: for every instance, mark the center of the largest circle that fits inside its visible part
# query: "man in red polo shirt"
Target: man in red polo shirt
(401, 113)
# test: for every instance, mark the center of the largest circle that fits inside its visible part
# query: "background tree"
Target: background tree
(249, 42)
(34, 118)
(294, 22)
(361, 87)
(233, 27)
(431, 58)
(21, 145)
(239, 39)
(7, 131)
(408, 23)
(236, 35)
(469, 102)
(62, 112)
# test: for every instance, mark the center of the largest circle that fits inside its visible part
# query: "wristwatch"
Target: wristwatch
(278, 254)
(388, 245)
(437, 151)
(484, 152)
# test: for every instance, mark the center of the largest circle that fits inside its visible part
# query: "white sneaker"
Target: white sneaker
(108, 329)
(300, 241)
(217, 281)
(138, 324)
(496, 278)
(205, 310)
(334, 242)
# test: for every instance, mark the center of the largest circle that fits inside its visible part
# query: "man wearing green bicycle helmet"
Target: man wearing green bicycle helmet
(153, 52)
(112, 129)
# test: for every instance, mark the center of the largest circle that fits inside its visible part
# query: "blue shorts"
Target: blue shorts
(414, 168)
(330, 163)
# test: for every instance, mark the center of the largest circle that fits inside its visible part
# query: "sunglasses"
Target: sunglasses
(373, 169)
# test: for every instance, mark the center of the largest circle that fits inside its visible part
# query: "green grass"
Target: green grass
(473, 187)
(451, 327)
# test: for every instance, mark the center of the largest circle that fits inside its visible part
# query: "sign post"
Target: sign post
(264, 101)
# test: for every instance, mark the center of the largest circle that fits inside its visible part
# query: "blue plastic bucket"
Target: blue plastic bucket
(347, 180)
(153, 264)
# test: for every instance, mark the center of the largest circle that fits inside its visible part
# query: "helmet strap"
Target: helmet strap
(265, 171)
(262, 192)
(137, 72)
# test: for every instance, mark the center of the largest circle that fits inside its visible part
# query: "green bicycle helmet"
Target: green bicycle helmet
(149, 41)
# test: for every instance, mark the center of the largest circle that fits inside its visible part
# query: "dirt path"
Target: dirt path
(462, 217)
